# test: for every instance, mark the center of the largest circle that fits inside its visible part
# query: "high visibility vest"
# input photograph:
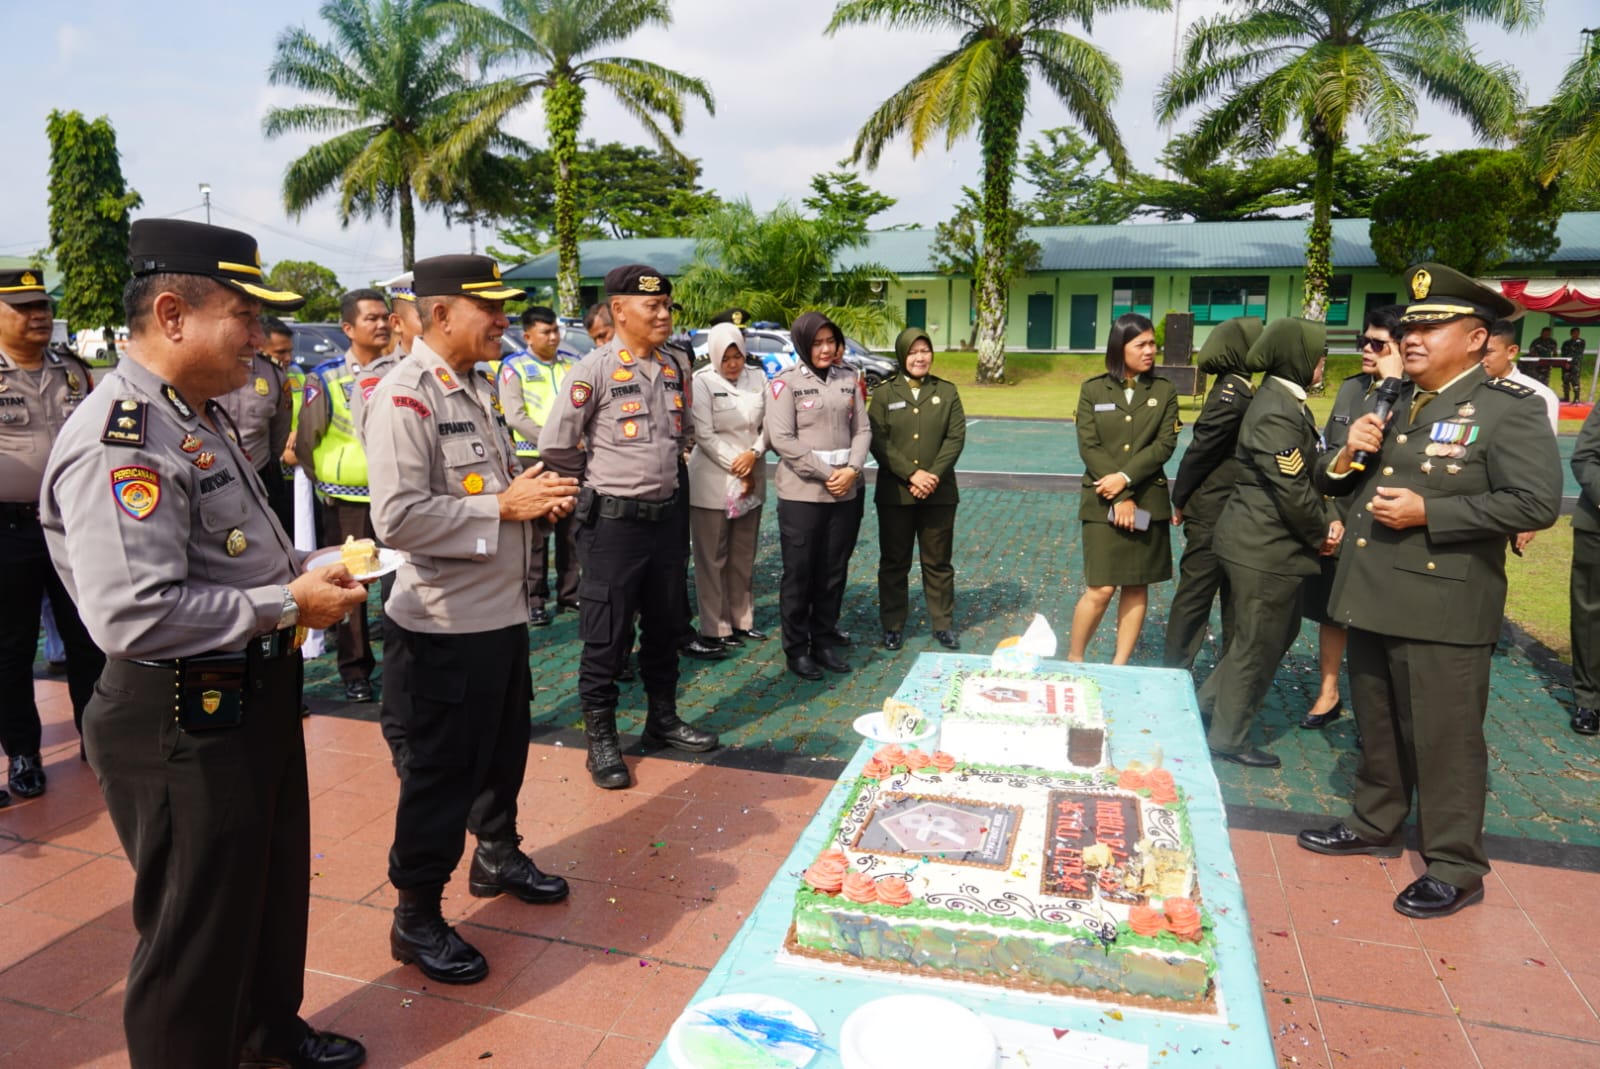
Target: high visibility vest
(540, 381)
(296, 377)
(339, 460)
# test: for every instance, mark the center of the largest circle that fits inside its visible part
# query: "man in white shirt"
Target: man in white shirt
(1500, 361)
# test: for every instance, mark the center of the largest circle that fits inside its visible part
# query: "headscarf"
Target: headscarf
(1227, 347)
(1289, 348)
(902, 345)
(723, 335)
(805, 331)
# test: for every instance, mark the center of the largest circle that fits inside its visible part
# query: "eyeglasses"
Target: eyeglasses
(1377, 345)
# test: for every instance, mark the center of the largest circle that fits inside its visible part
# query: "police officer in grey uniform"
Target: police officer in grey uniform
(620, 423)
(161, 532)
(263, 411)
(39, 389)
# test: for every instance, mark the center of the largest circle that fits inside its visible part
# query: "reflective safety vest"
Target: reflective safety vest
(339, 460)
(295, 376)
(540, 381)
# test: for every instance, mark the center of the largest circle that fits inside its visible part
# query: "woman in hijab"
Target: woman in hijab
(1127, 429)
(816, 422)
(1202, 487)
(726, 475)
(918, 431)
(1272, 532)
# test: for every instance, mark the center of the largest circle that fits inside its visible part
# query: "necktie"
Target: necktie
(1420, 401)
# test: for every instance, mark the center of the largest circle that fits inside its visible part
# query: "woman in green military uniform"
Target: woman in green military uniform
(918, 431)
(1127, 428)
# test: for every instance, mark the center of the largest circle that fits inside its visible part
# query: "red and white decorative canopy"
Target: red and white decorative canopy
(1576, 300)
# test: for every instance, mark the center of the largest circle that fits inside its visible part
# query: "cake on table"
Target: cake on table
(1054, 882)
(1024, 718)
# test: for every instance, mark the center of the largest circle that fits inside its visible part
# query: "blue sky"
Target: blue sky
(184, 84)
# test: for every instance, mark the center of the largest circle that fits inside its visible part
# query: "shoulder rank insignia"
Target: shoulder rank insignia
(125, 424)
(1515, 389)
(1290, 462)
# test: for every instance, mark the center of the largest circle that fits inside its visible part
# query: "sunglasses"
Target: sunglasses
(1375, 344)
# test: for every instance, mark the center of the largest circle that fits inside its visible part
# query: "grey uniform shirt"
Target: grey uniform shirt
(159, 526)
(805, 415)
(619, 423)
(33, 408)
(262, 410)
(727, 421)
(437, 453)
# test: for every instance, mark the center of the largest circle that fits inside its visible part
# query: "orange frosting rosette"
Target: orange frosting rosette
(826, 873)
(891, 755)
(916, 759)
(1146, 921)
(876, 768)
(892, 891)
(859, 887)
(1183, 918)
(1162, 789)
(1131, 780)
(943, 762)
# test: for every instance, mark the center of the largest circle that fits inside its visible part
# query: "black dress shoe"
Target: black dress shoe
(327, 1050)
(1339, 840)
(663, 727)
(702, 649)
(539, 617)
(1316, 721)
(358, 690)
(948, 639)
(568, 605)
(731, 642)
(804, 667)
(841, 638)
(1249, 758)
(1427, 897)
(893, 640)
(831, 660)
(501, 866)
(26, 777)
(754, 634)
(1586, 721)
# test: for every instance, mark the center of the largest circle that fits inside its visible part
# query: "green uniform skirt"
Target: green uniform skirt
(1114, 557)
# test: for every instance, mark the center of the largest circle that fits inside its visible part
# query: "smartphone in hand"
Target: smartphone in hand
(1141, 518)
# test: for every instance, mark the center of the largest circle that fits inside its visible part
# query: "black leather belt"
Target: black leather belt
(16, 512)
(268, 647)
(631, 508)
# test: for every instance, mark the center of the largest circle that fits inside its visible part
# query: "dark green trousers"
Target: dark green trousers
(1420, 707)
(932, 528)
(1584, 596)
(1200, 578)
(1266, 621)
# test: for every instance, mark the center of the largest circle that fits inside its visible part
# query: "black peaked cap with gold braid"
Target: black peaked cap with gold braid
(23, 285)
(182, 247)
(461, 276)
(1440, 294)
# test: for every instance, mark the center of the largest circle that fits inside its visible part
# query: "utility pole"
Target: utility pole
(205, 196)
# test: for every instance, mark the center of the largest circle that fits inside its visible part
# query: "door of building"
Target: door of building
(1041, 321)
(1084, 326)
(917, 312)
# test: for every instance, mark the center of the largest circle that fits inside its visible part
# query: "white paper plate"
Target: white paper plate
(388, 560)
(876, 1035)
(872, 727)
(767, 1030)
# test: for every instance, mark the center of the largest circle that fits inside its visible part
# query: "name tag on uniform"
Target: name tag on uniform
(1105, 408)
(896, 405)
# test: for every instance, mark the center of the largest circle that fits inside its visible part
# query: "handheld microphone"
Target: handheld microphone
(1382, 405)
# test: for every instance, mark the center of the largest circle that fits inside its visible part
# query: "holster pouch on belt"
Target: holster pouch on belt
(584, 513)
(211, 692)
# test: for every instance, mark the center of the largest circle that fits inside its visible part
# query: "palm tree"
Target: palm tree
(1323, 63)
(1563, 136)
(984, 81)
(553, 36)
(393, 81)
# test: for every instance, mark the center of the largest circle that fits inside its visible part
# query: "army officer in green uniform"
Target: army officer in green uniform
(1271, 533)
(918, 431)
(1421, 585)
(1127, 429)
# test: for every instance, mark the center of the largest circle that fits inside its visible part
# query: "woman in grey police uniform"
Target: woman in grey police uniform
(1127, 428)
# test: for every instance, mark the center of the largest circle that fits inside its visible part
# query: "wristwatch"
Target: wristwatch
(290, 613)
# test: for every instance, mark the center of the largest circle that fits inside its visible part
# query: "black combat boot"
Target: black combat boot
(605, 751)
(502, 866)
(662, 725)
(421, 936)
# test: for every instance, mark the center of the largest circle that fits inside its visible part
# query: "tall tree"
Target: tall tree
(393, 85)
(1563, 136)
(984, 81)
(317, 284)
(1472, 210)
(1070, 180)
(89, 206)
(554, 37)
(958, 243)
(779, 265)
(841, 199)
(1225, 189)
(1322, 63)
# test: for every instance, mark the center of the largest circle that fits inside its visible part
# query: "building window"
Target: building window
(1132, 295)
(1214, 298)
(1338, 301)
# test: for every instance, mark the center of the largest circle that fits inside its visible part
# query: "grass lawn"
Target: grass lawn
(1536, 595)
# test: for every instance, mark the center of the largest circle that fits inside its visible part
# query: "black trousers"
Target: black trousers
(217, 825)
(566, 555)
(817, 540)
(463, 702)
(932, 529)
(1583, 597)
(280, 494)
(353, 638)
(1200, 578)
(630, 566)
(26, 577)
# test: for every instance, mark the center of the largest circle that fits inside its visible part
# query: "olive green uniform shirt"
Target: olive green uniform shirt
(1134, 437)
(911, 433)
